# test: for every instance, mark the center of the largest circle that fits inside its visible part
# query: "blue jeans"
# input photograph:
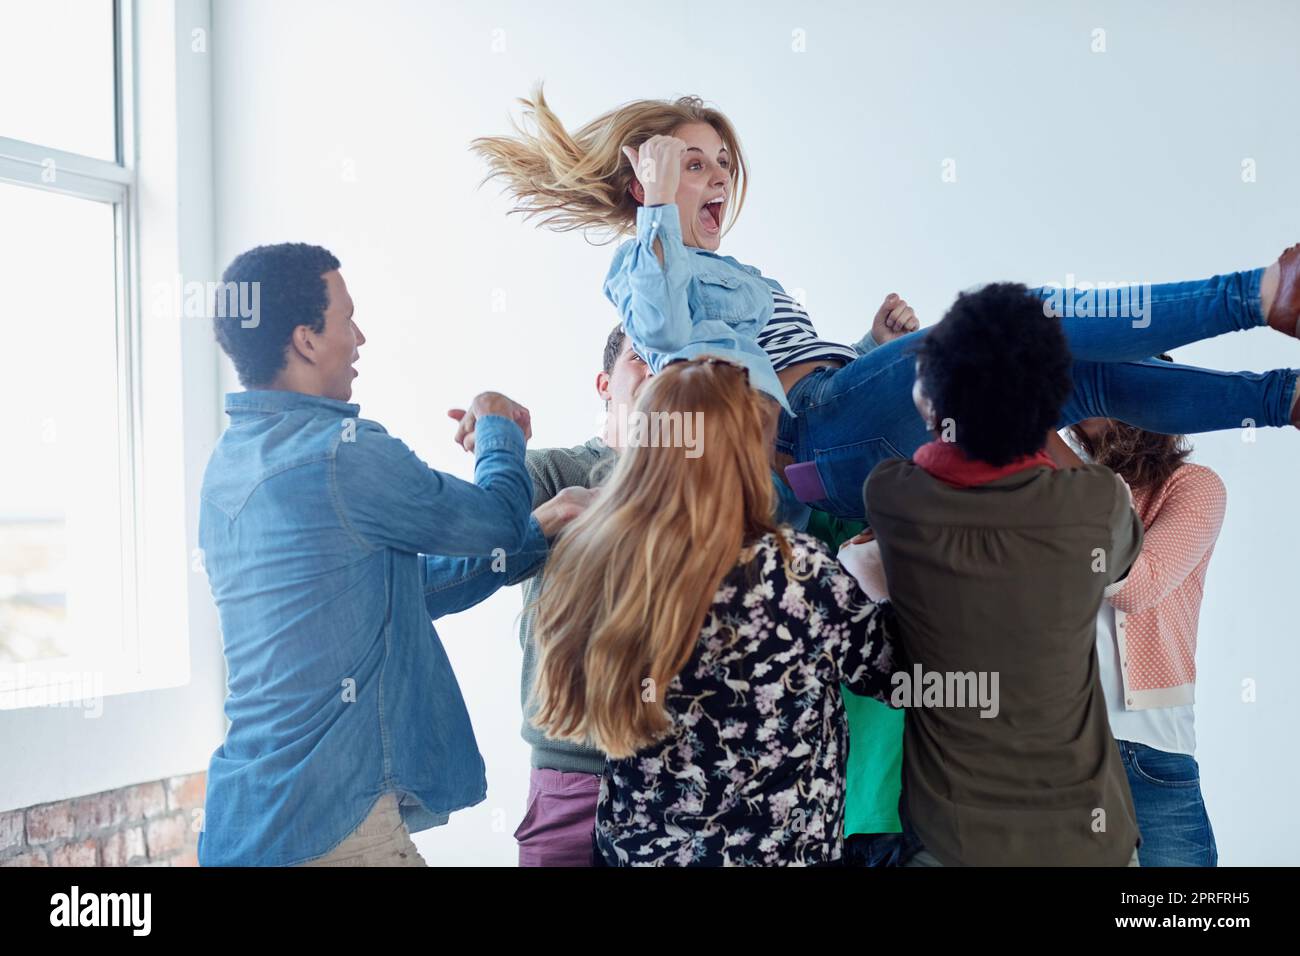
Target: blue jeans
(1171, 812)
(879, 849)
(851, 418)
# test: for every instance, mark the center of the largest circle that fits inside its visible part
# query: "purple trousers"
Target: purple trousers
(561, 817)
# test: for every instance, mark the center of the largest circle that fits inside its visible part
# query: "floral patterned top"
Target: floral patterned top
(752, 773)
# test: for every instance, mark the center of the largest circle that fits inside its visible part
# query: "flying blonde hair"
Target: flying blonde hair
(630, 581)
(581, 180)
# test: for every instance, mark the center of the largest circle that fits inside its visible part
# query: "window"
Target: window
(68, 491)
(61, 507)
(106, 455)
(58, 67)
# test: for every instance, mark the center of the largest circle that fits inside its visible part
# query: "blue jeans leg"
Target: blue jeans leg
(850, 419)
(1134, 324)
(1179, 399)
(1171, 811)
(874, 849)
(1115, 376)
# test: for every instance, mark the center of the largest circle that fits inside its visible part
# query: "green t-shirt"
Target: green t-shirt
(874, 771)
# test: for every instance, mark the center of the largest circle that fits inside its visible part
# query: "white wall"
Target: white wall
(346, 124)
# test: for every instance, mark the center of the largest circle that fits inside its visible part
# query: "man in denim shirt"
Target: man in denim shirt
(347, 727)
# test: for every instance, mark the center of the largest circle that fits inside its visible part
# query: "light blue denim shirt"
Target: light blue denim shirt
(696, 303)
(314, 525)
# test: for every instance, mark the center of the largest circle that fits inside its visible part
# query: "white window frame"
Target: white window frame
(154, 652)
(162, 716)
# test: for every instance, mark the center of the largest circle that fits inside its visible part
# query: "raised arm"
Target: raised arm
(388, 497)
(894, 319)
(649, 277)
(1184, 531)
(453, 584)
(650, 295)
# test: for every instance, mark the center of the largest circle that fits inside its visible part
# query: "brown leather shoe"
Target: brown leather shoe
(1285, 314)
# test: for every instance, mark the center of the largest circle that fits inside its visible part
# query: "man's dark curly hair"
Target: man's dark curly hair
(997, 366)
(291, 292)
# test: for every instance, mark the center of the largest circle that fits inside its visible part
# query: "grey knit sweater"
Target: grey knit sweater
(553, 469)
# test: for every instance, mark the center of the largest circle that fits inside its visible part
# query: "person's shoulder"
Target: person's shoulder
(1088, 479)
(756, 273)
(370, 427)
(1085, 475)
(1191, 478)
(349, 435)
(1087, 494)
(1195, 487)
(354, 430)
(367, 447)
(771, 541)
(899, 488)
(712, 258)
(554, 468)
(584, 455)
(805, 552)
(891, 474)
(894, 467)
(783, 539)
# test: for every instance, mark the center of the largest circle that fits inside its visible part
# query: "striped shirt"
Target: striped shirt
(789, 337)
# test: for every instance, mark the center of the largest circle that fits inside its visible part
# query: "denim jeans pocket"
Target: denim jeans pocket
(844, 470)
(1162, 768)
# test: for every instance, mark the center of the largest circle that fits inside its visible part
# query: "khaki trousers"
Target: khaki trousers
(381, 840)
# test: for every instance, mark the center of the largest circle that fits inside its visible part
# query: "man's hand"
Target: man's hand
(658, 167)
(488, 403)
(894, 319)
(555, 514)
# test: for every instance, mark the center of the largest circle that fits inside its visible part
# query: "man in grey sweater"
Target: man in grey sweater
(564, 780)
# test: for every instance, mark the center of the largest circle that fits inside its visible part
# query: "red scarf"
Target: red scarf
(945, 461)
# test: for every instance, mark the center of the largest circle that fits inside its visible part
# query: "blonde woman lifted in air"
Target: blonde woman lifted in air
(670, 174)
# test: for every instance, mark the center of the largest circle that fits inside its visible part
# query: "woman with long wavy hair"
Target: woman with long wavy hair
(1147, 631)
(701, 647)
(671, 174)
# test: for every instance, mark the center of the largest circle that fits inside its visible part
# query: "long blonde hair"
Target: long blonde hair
(629, 583)
(582, 180)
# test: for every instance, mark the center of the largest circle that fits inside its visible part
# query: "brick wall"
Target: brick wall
(147, 824)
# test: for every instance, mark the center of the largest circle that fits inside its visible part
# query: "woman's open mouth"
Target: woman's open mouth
(711, 215)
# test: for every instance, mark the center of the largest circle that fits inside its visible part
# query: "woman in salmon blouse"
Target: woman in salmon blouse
(1146, 634)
